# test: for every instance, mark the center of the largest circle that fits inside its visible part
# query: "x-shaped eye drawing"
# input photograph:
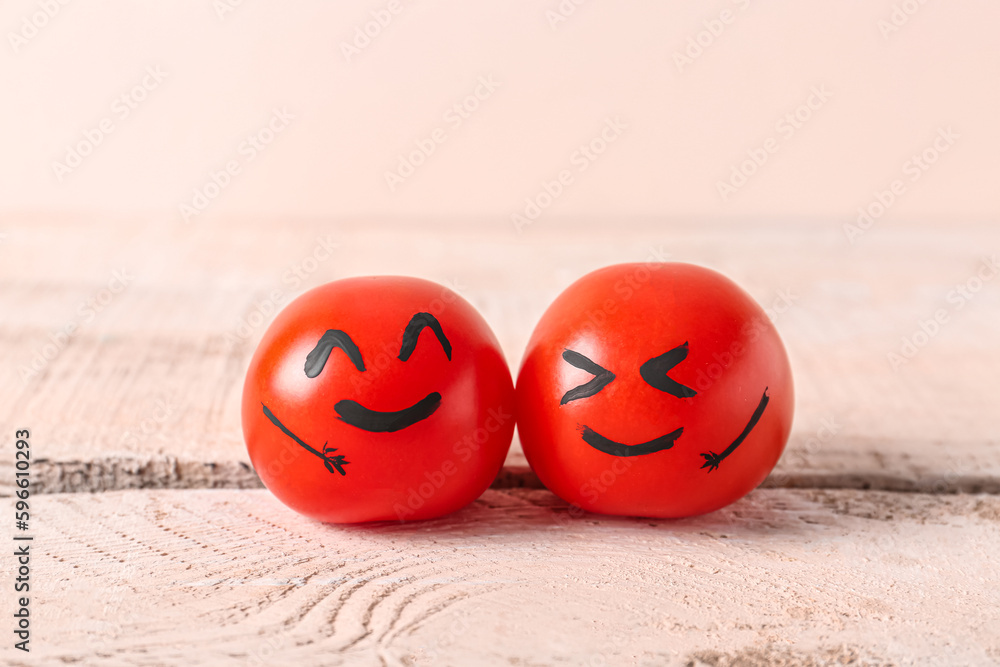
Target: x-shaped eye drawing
(654, 372)
(602, 377)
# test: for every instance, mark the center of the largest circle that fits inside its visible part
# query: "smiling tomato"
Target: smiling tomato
(378, 398)
(659, 390)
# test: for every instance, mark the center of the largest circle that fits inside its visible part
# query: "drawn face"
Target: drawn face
(365, 397)
(641, 380)
(653, 373)
(358, 415)
(352, 412)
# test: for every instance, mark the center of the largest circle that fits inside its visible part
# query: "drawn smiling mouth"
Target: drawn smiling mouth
(712, 460)
(374, 421)
(608, 446)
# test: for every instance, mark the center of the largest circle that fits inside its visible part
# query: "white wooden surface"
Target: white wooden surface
(829, 568)
(146, 394)
(788, 577)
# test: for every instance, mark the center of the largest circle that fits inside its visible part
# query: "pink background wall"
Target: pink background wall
(889, 94)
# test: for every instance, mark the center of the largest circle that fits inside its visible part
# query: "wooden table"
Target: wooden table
(874, 541)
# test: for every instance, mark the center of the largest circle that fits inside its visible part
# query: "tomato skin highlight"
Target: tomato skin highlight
(688, 349)
(378, 398)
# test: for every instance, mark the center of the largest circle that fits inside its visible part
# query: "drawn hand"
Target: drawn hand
(331, 462)
(712, 461)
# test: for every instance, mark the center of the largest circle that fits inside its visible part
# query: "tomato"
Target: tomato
(657, 390)
(378, 398)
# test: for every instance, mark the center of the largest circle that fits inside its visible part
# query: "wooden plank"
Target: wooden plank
(145, 393)
(803, 577)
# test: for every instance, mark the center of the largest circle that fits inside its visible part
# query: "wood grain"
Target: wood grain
(783, 577)
(145, 393)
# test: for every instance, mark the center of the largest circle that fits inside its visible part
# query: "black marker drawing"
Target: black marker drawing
(599, 442)
(654, 372)
(712, 460)
(412, 333)
(602, 377)
(361, 417)
(352, 412)
(331, 461)
(316, 359)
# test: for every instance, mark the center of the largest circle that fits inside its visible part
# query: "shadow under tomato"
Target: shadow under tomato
(530, 511)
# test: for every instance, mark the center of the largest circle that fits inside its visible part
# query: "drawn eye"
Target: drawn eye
(654, 372)
(331, 340)
(335, 338)
(412, 334)
(602, 377)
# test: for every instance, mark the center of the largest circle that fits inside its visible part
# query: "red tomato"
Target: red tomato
(378, 398)
(658, 390)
